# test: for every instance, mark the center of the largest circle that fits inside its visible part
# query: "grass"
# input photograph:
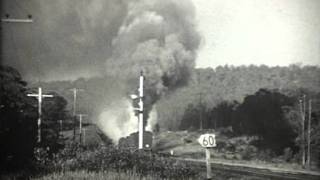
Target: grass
(129, 175)
(184, 144)
(89, 175)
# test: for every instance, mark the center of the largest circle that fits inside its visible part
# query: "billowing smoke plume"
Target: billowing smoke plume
(112, 39)
(120, 120)
(159, 38)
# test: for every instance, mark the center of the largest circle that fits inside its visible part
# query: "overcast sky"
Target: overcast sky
(271, 32)
(77, 38)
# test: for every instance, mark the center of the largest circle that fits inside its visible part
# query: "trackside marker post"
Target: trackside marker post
(208, 141)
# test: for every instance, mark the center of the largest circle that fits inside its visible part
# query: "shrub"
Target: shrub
(248, 152)
(105, 158)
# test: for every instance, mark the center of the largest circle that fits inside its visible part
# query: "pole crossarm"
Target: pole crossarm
(15, 20)
(39, 96)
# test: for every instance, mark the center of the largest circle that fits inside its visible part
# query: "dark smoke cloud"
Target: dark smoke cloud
(108, 38)
(68, 39)
(158, 37)
(71, 39)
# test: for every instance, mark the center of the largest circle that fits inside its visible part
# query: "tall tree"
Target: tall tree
(17, 126)
(262, 114)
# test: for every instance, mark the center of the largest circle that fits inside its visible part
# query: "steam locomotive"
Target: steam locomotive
(132, 141)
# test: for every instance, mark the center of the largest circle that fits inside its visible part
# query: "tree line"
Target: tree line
(18, 125)
(252, 100)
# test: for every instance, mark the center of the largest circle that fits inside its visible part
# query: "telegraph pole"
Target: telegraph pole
(200, 102)
(200, 110)
(74, 90)
(140, 110)
(39, 96)
(302, 112)
(141, 129)
(60, 123)
(309, 132)
(80, 126)
(84, 136)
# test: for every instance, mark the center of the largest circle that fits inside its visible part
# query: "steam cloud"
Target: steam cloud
(158, 37)
(113, 39)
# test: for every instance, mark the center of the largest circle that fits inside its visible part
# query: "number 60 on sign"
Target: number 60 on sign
(207, 140)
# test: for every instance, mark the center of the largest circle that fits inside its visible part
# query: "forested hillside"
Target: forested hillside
(210, 87)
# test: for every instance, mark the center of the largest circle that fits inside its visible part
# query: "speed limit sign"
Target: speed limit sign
(207, 140)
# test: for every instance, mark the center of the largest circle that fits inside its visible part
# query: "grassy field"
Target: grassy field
(101, 175)
(108, 162)
(230, 149)
(109, 175)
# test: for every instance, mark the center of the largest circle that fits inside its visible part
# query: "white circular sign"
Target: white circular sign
(207, 140)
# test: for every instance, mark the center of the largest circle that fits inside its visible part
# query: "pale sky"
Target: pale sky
(72, 39)
(271, 32)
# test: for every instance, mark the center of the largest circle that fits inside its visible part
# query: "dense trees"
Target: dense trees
(268, 114)
(231, 97)
(262, 114)
(228, 84)
(222, 84)
(18, 125)
(223, 96)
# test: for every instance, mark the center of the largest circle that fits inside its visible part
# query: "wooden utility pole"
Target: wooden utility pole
(74, 90)
(200, 102)
(84, 136)
(60, 123)
(309, 134)
(141, 96)
(39, 96)
(200, 110)
(302, 113)
(80, 126)
(140, 110)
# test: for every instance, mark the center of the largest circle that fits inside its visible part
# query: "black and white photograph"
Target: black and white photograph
(160, 89)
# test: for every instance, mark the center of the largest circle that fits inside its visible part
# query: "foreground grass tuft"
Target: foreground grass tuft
(101, 175)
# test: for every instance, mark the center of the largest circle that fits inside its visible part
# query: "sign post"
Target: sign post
(208, 141)
(208, 163)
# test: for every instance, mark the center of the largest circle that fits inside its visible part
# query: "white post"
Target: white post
(84, 136)
(309, 134)
(74, 101)
(208, 163)
(40, 113)
(141, 129)
(80, 126)
(39, 96)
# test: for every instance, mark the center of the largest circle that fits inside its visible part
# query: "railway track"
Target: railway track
(256, 171)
